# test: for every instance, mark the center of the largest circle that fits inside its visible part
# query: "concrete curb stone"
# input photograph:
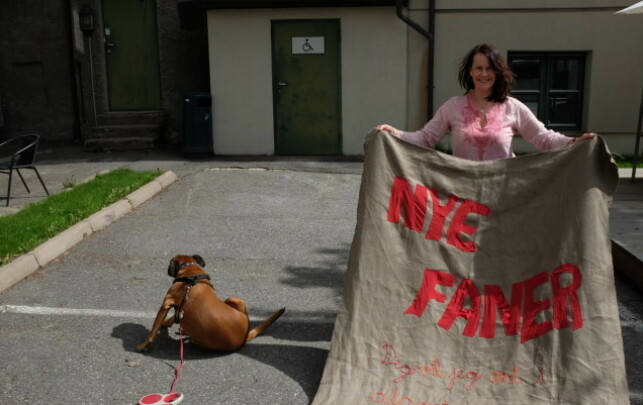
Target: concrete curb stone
(18, 269)
(152, 188)
(62, 242)
(109, 214)
(167, 178)
(144, 193)
(48, 251)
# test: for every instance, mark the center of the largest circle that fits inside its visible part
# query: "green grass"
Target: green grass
(625, 162)
(23, 231)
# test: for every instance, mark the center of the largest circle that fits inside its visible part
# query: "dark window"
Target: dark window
(551, 85)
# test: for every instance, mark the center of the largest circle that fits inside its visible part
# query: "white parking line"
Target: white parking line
(635, 324)
(30, 310)
(48, 311)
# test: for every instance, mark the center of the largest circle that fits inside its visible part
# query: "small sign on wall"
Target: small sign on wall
(307, 45)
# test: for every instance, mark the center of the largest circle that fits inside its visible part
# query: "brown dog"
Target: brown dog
(211, 323)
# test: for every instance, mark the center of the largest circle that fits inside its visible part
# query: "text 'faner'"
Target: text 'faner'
(522, 305)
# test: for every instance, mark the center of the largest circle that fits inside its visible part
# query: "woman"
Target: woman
(484, 120)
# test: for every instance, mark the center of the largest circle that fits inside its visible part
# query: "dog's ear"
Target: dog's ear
(199, 260)
(172, 268)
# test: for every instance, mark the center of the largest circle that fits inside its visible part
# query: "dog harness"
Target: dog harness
(192, 280)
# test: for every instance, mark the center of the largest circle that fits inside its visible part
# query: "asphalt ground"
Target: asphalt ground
(275, 232)
(272, 235)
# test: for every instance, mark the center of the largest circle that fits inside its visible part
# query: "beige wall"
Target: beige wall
(384, 64)
(613, 42)
(373, 70)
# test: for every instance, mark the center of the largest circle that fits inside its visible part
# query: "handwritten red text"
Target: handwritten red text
(455, 377)
(392, 399)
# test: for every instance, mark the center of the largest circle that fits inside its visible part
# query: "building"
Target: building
(111, 74)
(307, 77)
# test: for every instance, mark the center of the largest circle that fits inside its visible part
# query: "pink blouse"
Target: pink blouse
(470, 140)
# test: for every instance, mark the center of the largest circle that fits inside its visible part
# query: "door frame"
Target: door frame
(337, 22)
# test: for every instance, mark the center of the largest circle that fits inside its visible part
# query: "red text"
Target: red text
(483, 306)
(392, 399)
(413, 205)
(454, 377)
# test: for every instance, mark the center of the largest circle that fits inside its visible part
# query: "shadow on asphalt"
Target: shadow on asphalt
(165, 344)
(330, 274)
(299, 331)
(303, 364)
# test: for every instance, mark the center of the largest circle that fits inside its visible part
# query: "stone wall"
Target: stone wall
(184, 66)
(46, 80)
(36, 80)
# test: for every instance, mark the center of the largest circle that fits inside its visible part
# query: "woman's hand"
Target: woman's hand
(587, 135)
(386, 127)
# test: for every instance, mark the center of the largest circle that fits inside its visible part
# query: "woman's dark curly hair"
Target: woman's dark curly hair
(504, 76)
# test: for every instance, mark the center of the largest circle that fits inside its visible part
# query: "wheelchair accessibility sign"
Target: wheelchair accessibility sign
(307, 45)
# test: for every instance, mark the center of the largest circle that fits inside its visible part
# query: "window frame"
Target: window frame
(545, 93)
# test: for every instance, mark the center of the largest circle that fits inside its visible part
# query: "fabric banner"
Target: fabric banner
(479, 282)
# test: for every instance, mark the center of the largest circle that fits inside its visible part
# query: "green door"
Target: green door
(131, 47)
(306, 87)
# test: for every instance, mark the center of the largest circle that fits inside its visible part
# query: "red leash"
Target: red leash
(179, 368)
(172, 398)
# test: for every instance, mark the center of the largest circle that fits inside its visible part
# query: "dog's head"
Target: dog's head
(179, 262)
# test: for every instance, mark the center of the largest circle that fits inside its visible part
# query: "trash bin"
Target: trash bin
(197, 125)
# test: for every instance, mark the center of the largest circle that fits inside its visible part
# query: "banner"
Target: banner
(479, 282)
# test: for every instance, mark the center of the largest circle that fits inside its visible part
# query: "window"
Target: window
(551, 85)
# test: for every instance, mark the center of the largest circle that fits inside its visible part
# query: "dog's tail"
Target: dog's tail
(264, 325)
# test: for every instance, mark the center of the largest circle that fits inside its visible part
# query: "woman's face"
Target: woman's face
(481, 72)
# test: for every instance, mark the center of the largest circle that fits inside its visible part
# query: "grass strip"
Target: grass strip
(625, 162)
(36, 223)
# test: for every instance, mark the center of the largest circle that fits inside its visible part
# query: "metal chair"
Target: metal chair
(19, 153)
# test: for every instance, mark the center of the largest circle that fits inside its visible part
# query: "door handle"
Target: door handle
(109, 46)
(281, 85)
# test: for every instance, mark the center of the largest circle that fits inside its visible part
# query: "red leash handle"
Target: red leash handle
(158, 399)
(172, 398)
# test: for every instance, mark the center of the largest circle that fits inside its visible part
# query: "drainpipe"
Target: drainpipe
(638, 139)
(428, 35)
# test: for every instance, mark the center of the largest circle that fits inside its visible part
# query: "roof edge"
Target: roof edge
(192, 12)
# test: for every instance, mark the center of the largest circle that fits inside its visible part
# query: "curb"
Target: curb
(627, 264)
(45, 253)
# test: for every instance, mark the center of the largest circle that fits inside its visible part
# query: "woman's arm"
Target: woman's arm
(534, 131)
(432, 132)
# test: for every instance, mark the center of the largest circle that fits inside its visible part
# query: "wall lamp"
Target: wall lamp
(86, 16)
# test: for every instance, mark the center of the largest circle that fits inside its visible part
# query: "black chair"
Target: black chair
(19, 153)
